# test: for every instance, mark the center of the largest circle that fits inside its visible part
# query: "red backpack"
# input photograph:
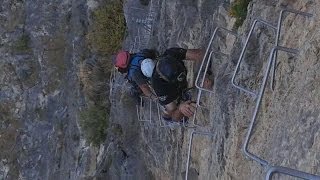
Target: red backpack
(122, 60)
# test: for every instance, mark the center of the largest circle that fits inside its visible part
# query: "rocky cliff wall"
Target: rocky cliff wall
(42, 44)
(286, 131)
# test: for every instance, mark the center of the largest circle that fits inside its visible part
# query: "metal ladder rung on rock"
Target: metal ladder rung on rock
(289, 172)
(260, 160)
(207, 58)
(193, 132)
(140, 108)
(277, 38)
(259, 95)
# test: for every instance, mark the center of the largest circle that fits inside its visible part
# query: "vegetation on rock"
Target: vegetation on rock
(145, 2)
(238, 10)
(108, 28)
(105, 37)
(93, 122)
(22, 44)
(8, 139)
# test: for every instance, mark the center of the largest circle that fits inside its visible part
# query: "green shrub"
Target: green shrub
(108, 28)
(93, 75)
(238, 10)
(117, 130)
(9, 131)
(94, 122)
(105, 37)
(144, 2)
(22, 44)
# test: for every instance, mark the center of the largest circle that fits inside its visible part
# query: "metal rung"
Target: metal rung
(208, 59)
(258, 103)
(273, 169)
(200, 87)
(190, 145)
(163, 124)
(278, 37)
(251, 92)
(136, 43)
(150, 111)
(290, 172)
(139, 113)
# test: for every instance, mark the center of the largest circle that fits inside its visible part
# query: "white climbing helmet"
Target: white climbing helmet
(147, 66)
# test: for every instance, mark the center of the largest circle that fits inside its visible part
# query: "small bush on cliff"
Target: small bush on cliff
(9, 133)
(22, 44)
(238, 10)
(105, 37)
(94, 122)
(94, 75)
(108, 28)
(144, 2)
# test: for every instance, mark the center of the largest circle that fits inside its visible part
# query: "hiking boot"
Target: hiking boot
(208, 82)
(209, 77)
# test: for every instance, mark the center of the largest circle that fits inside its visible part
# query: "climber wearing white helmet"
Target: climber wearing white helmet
(130, 64)
(147, 67)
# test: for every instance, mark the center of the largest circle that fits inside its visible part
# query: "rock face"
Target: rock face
(42, 43)
(286, 132)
